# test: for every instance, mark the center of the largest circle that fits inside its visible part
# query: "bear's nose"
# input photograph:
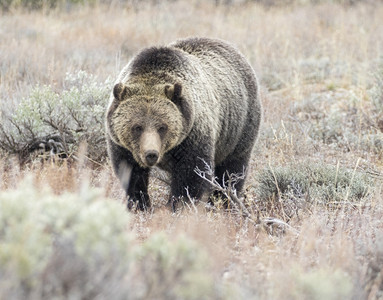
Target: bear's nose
(151, 157)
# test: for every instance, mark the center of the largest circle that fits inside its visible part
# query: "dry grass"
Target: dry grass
(317, 66)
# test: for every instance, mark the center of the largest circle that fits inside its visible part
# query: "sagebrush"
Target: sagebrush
(80, 245)
(49, 122)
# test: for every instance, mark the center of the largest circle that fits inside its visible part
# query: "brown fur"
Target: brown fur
(151, 114)
(179, 107)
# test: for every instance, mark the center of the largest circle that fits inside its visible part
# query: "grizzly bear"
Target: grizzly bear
(188, 105)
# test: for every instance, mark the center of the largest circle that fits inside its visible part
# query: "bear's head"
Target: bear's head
(149, 124)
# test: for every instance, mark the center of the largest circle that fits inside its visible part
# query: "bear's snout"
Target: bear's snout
(150, 147)
(151, 157)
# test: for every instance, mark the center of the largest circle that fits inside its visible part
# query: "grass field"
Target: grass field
(311, 224)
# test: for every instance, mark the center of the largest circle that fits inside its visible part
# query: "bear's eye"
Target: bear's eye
(137, 129)
(162, 129)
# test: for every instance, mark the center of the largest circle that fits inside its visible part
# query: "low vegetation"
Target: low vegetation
(79, 245)
(58, 122)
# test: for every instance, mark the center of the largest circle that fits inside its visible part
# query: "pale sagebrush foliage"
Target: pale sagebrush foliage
(320, 184)
(54, 122)
(80, 246)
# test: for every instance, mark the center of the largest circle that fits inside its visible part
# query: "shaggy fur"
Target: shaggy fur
(199, 98)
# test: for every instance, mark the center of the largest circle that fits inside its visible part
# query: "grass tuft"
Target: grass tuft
(316, 183)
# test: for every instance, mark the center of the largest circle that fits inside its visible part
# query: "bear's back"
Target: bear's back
(229, 79)
(202, 47)
(156, 59)
(220, 61)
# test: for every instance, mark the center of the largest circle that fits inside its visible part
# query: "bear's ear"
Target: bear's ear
(121, 91)
(173, 92)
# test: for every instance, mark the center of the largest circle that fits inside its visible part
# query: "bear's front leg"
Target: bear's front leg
(137, 190)
(133, 178)
(186, 184)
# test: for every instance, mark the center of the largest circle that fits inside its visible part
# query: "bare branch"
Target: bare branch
(237, 204)
(191, 201)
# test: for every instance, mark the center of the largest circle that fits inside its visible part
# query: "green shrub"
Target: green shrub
(341, 119)
(57, 122)
(324, 184)
(322, 284)
(7, 5)
(79, 246)
(173, 269)
(52, 244)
